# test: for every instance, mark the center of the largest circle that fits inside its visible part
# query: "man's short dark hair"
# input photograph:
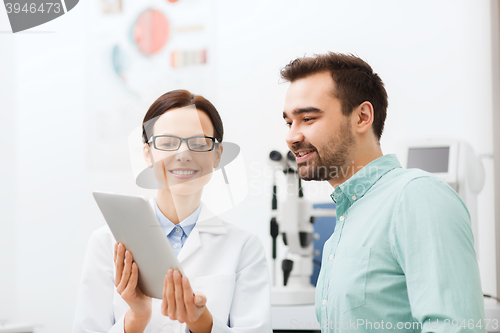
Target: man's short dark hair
(355, 82)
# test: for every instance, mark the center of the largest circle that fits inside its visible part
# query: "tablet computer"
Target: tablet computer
(134, 223)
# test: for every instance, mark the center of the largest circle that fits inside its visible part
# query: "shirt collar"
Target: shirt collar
(355, 187)
(187, 224)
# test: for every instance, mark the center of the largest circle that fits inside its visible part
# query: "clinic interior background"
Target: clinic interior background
(66, 114)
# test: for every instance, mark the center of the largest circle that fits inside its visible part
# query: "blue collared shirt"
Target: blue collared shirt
(401, 257)
(177, 233)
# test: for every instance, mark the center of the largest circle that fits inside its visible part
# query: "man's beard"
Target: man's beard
(334, 159)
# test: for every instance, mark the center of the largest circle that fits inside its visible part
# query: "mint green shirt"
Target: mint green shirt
(401, 257)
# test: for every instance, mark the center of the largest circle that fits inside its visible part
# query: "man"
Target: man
(401, 257)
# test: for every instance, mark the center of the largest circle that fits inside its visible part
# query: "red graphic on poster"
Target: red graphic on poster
(151, 31)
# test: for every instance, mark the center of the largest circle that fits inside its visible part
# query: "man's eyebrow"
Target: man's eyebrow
(298, 111)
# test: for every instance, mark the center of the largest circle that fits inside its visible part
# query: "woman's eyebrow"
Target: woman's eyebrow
(298, 111)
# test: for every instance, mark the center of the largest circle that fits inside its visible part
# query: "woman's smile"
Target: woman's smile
(183, 173)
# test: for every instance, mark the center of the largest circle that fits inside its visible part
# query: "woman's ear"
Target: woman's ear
(217, 153)
(147, 155)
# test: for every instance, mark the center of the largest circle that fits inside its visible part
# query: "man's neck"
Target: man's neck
(176, 207)
(359, 159)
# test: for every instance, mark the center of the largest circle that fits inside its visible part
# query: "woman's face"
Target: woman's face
(183, 172)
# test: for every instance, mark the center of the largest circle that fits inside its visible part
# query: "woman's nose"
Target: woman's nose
(183, 154)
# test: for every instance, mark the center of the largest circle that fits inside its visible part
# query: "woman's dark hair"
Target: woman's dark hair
(177, 99)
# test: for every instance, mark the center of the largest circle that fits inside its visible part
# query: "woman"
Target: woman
(226, 266)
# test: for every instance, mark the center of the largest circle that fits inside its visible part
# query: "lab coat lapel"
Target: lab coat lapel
(207, 223)
(192, 244)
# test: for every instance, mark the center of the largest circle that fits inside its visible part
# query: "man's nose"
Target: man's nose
(294, 136)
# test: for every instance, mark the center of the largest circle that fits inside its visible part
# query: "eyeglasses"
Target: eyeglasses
(173, 143)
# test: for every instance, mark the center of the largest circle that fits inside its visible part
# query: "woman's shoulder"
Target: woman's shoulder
(102, 237)
(244, 237)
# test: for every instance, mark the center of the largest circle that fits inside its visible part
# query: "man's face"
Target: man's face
(320, 136)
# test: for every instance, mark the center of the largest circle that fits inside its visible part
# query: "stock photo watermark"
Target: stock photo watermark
(26, 14)
(260, 173)
(446, 324)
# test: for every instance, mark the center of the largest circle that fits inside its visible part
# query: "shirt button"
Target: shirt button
(324, 301)
(342, 218)
(177, 230)
(353, 197)
(175, 246)
(330, 257)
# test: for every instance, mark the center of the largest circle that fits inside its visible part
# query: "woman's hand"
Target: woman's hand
(126, 277)
(180, 303)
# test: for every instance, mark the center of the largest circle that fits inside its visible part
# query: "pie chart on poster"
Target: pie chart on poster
(151, 31)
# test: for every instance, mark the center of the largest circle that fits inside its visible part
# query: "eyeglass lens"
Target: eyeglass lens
(173, 143)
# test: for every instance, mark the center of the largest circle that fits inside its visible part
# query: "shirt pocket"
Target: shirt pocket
(219, 290)
(348, 278)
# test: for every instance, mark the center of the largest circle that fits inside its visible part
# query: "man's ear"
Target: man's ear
(363, 117)
(217, 153)
(146, 152)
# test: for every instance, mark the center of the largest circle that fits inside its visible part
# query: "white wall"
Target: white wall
(434, 57)
(495, 38)
(8, 163)
(52, 192)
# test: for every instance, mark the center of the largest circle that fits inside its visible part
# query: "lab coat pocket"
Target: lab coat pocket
(348, 277)
(219, 290)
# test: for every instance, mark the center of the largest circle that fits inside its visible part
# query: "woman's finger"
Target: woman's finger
(114, 252)
(127, 270)
(119, 264)
(171, 295)
(191, 309)
(200, 299)
(179, 297)
(194, 302)
(188, 294)
(164, 302)
(130, 289)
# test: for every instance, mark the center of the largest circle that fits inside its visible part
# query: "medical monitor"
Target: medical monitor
(430, 159)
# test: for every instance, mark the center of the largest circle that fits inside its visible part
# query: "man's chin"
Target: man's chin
(307, 173)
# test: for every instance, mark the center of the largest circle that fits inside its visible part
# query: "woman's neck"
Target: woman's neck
(177, 207)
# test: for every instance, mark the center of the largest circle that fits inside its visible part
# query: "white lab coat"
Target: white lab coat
(221, 260)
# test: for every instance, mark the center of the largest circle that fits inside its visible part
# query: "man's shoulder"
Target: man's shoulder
(401, 178)
(421, 185)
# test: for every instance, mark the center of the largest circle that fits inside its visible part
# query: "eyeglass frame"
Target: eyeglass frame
(153, 140)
